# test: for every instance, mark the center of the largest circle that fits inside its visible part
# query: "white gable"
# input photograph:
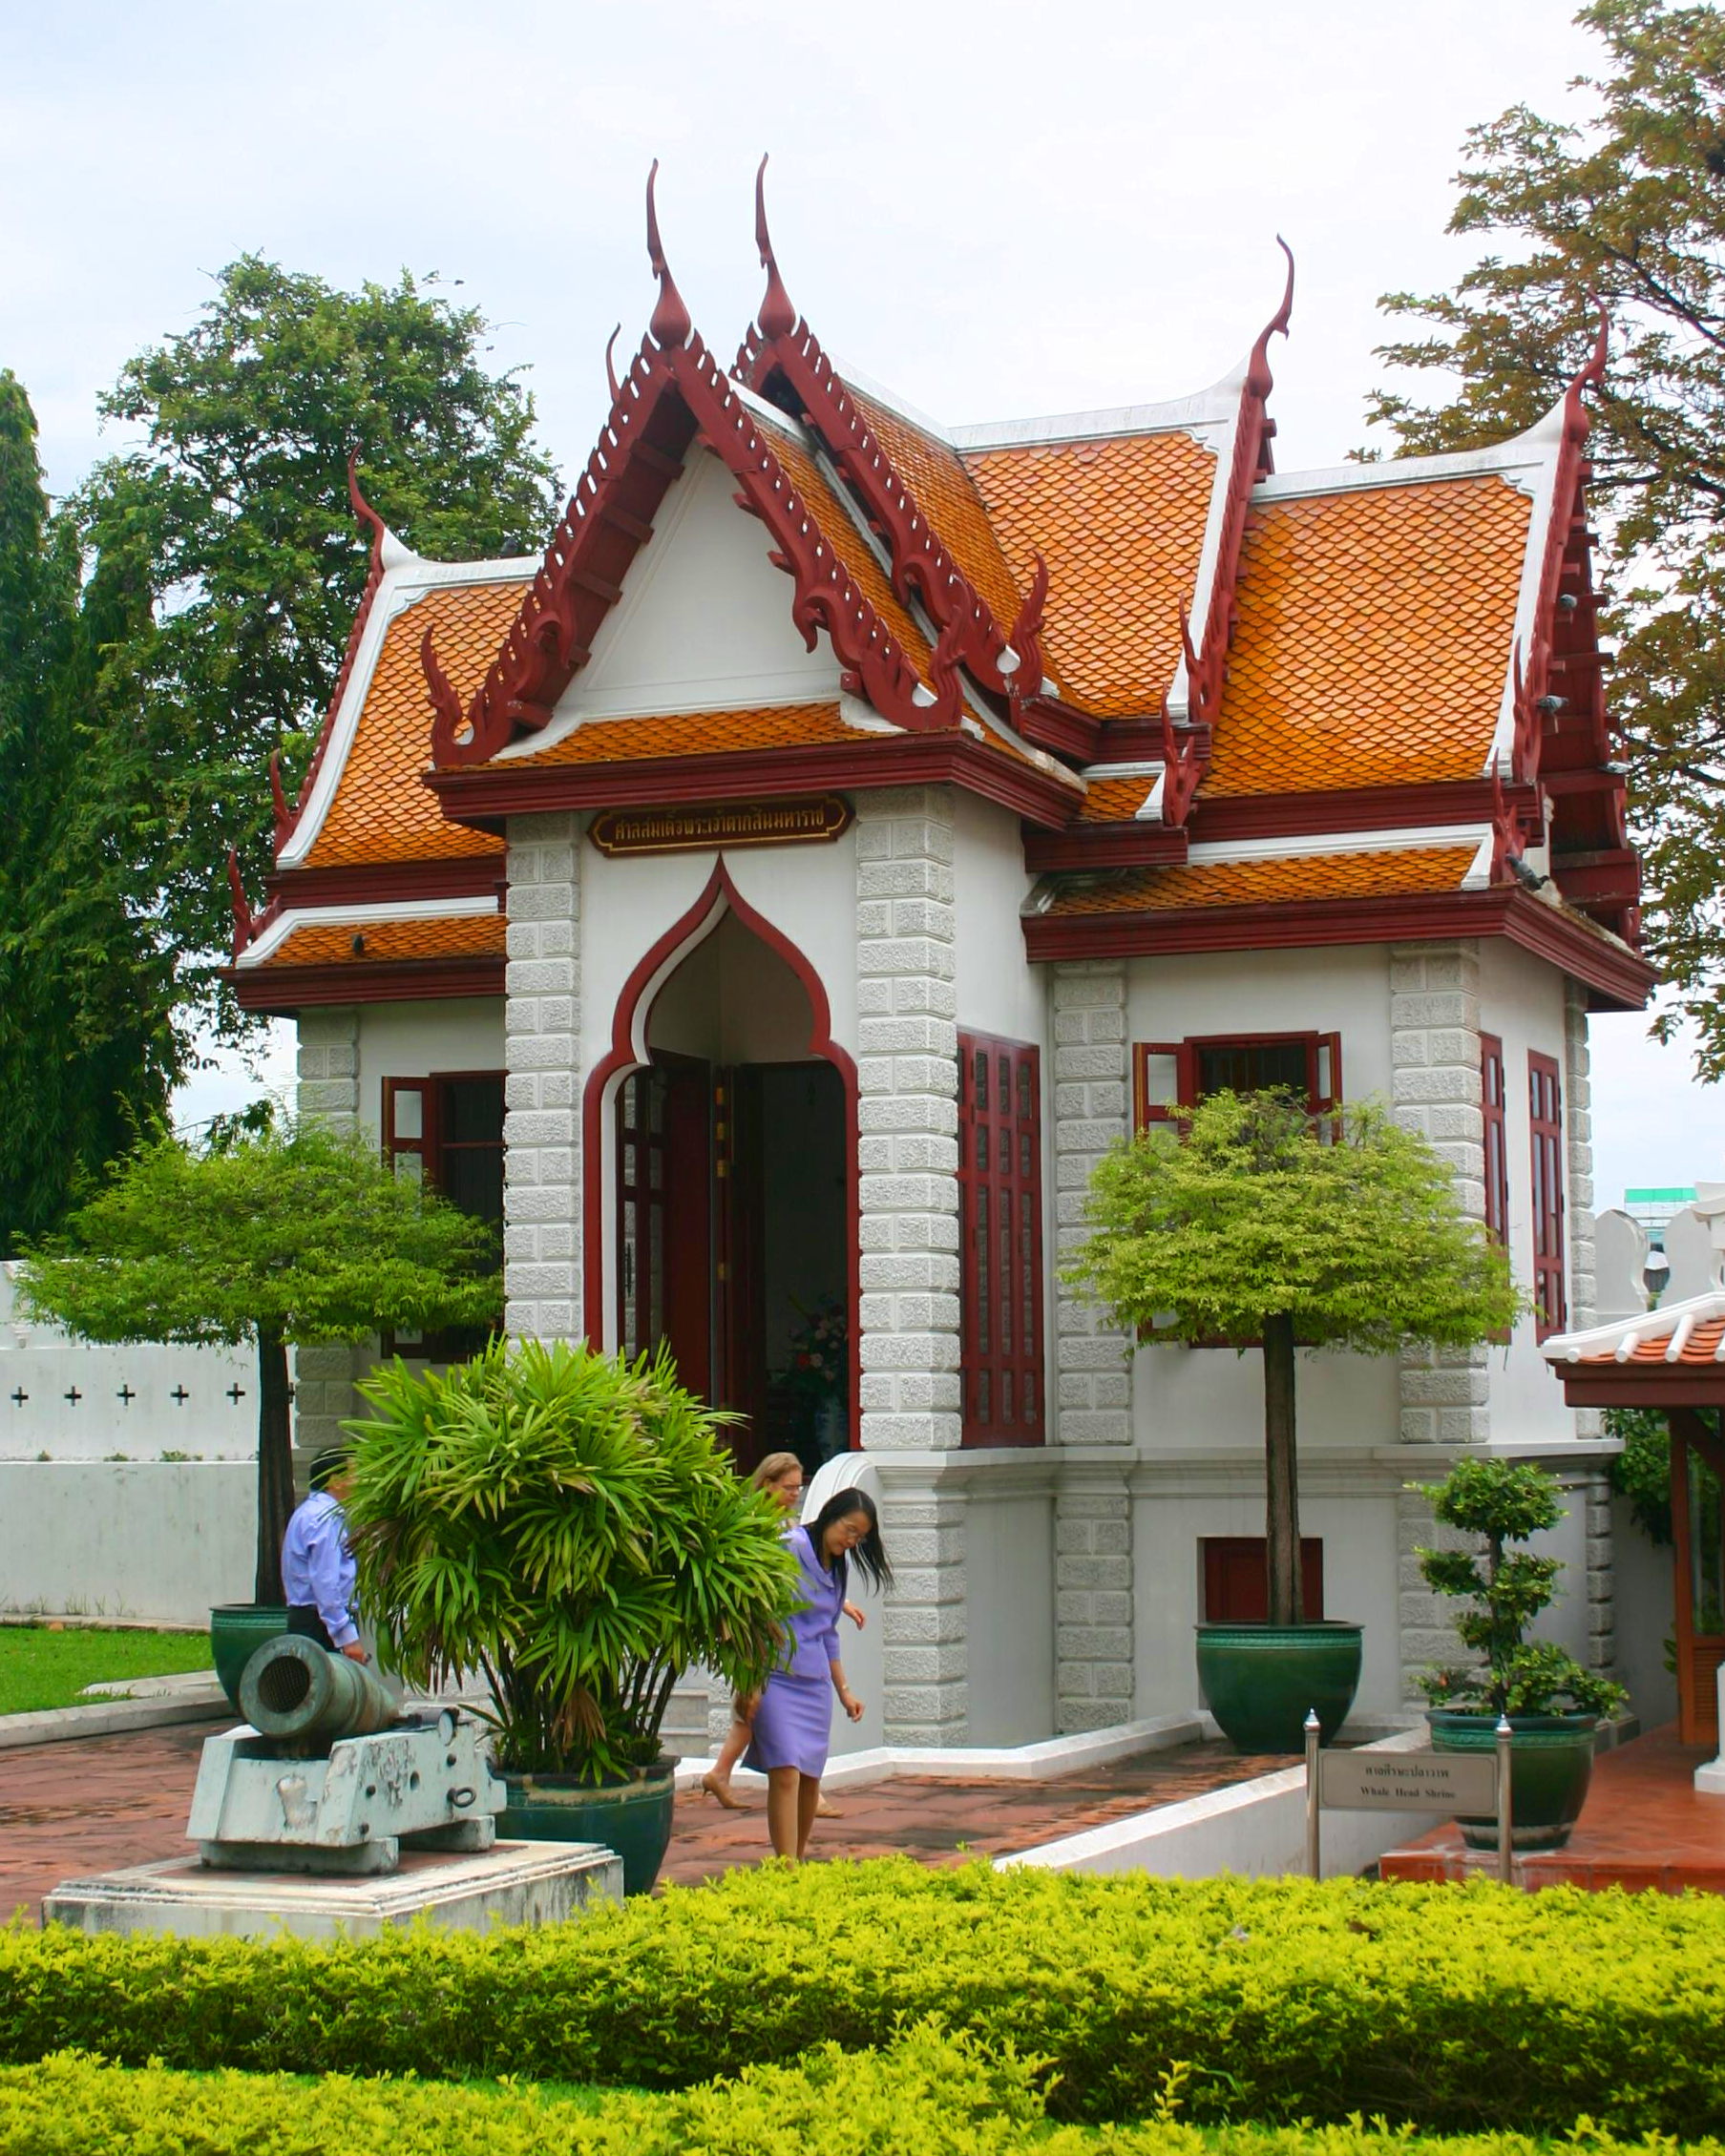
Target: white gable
(704, 623)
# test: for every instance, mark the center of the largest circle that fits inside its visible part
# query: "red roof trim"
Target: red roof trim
(1641, 1385)
(472, 875)
(1132, 843)
(1355, 808)
(484, 796)
(1621, 980)
(923, 565)
(280, 991)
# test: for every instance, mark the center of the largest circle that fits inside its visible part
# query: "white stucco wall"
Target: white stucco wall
(1000, 992)
(414, 1039)
(704, 623)
(95, 1539)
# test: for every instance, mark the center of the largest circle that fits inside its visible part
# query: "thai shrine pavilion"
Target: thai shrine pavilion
(769, 904)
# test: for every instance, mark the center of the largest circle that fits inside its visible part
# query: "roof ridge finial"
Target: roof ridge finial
(670, 325)
(775, 314)
(610, 370)
(363, 510)
(1577, 422)
(1257, 374)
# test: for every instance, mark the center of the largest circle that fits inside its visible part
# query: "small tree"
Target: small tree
(276, 1236)
(1262, 1227)
(1504, 1501)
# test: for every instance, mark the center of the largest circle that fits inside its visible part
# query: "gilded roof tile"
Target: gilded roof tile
(1374, 640)
(331, 943)
(381, 813)
(942, 485)
(1120, 521)
(1393, 872)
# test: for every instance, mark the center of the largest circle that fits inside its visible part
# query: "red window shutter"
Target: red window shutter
(1001, 1242)
(409, 1133)
(1497, 1156)
(1546, 1135)
(1164, 1080)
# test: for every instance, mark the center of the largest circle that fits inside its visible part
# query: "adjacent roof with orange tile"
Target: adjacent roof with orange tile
(1374, 637)
(331, 943)
(946, 493)
(1391, 872)
(380, 811)
(694, 733)
(841, 533)
(1120, 521)
(1680, 1336)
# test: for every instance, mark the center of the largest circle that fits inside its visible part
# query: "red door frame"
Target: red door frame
(628, 1051)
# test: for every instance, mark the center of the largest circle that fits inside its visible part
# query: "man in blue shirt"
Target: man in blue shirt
(317, 1565)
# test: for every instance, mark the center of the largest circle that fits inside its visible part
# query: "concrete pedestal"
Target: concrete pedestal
(510, 1883)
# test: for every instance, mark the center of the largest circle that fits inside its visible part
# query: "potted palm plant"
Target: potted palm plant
(568, 1525)
(1262, 1227)
(1552, 1703)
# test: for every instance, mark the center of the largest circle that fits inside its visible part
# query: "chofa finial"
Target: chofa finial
(670, 325)
(776, 315)
(363, 510)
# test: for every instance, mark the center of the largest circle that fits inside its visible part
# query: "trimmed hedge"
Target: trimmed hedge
(1452, 2009)
(932, 2094)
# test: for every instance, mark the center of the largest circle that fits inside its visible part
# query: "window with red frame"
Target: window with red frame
(1172, 1076)
(1497, 1154)
(1546, 1135)
(1001, 1242)
(447, 1131)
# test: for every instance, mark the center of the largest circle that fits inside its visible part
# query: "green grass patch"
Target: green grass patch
(41, 1669)
(1445, 2010)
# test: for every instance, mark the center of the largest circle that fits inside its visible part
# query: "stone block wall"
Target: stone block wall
(541, 1099)
(1092, 1109)
(328, 1092)
(1093, 1600)
(907, 1162)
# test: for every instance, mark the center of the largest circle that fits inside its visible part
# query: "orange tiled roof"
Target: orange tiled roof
(1116, 800)
(943, 489)
(1700, 1351)
(1374, 638)
(696, 733)
(1120, 522)
(380, 811)
(1391, 872)
(849, 545)
(331, 943)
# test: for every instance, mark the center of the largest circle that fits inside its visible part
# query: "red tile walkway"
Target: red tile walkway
(68, 1810)
(1644, 1825)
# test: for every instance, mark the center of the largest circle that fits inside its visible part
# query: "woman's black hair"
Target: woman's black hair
(870, 1553)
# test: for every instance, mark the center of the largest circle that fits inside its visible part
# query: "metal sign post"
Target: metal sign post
(1456, 1785)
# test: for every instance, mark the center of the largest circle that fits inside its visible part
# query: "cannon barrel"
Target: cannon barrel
(292, 1688)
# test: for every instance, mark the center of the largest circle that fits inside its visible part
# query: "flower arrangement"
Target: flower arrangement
(820, 1354)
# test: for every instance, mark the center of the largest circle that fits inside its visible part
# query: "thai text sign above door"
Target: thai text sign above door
(725, 824)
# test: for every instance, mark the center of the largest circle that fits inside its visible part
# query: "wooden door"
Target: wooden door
(1698, 1531)
(664, 1216)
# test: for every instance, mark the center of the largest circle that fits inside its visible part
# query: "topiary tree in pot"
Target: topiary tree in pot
(568, 1525)
(1553, 1704)
(1259, 1225)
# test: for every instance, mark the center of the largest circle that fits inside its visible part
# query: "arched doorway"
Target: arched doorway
(721, 1146)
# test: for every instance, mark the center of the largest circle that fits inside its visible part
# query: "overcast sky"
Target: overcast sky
(998, 209)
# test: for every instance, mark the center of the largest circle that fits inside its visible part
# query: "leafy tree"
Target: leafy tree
(1625, 205)
(1263, 1228)
(275, 1236)
(87, 1051)
(234, 511)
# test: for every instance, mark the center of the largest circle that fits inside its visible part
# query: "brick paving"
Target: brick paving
(68, 1810)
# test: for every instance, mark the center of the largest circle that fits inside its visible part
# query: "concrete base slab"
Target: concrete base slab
(510, 1883)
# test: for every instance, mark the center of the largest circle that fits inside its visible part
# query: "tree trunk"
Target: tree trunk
(275, 1462)
(1281, 1472)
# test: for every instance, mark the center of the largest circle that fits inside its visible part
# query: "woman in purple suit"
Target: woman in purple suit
(792, 1719)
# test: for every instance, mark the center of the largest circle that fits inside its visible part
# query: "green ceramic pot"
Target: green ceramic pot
(1261, 1680)
(1550, 1765)
(633, 1817)
(236, 1631)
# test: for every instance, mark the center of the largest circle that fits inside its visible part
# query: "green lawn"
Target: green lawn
(40, 1668)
